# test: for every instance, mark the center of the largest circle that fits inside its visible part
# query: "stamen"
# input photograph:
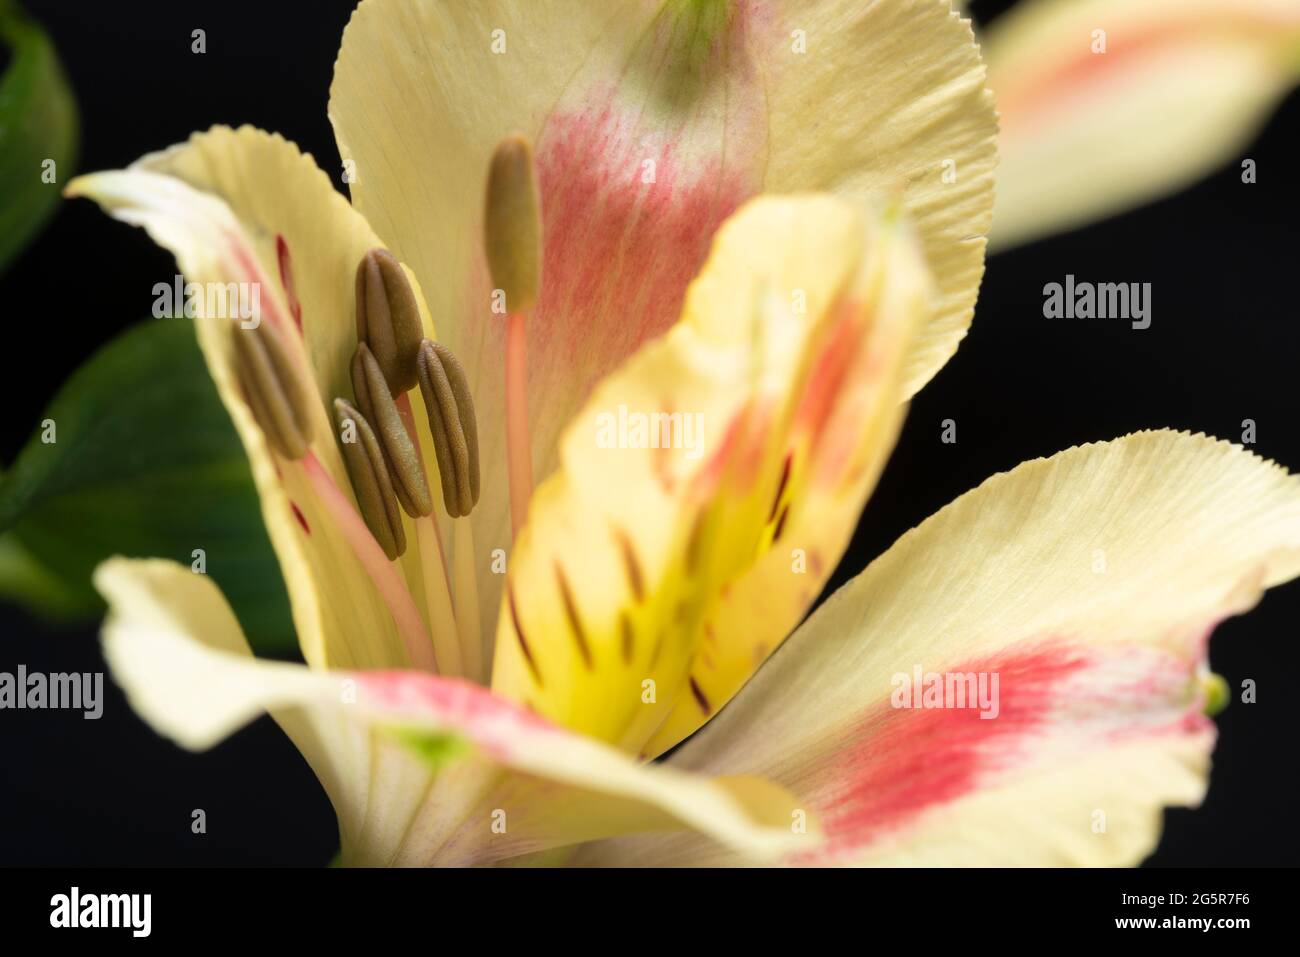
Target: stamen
(512, 225)
(468, 624)
(370, 480)
(280, 395)
(513, 236)
(454, 430)
(519, 450)
(438, 601)
(388, 318)
(400, 455)
(383, 573)
(453, 425)
(433, 565)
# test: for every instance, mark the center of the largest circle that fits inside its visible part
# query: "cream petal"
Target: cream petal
(890, 99)
(1107, 104)
(246, 207)
(420, 769)
(1088, 583)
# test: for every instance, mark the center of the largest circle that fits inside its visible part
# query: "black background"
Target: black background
(1221, 348)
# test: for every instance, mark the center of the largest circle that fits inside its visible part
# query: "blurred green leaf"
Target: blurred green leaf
(144, 462)
(38, 123)
(26, 581)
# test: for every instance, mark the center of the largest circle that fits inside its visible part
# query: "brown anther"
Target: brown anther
(512, 225)
(279, 392)
(377, 405)
(453, 425)
(370, 480)
(388, 318)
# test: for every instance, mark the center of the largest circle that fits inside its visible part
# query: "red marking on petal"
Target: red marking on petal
(1193, 722)
(899, 762)
(780, 485)
(247, 262)
(452, 704)
(830, 371)
(750, 10)
(302, 519)
(1126, 49)
(286, 279)
(739, 458)
(619, 252)
(780, 524)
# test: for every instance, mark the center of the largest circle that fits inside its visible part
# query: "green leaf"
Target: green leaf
(25, 580)
(38, 124)
(144, 462)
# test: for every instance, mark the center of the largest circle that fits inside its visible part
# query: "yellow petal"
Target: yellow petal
(1088, 583)
(420, 769)
(824, 479)
(1181, 88)
(653, 121)
(766, 411)
(243, 206)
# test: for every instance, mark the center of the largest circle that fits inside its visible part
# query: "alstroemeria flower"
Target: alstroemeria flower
(648, 582)
(1108, 103)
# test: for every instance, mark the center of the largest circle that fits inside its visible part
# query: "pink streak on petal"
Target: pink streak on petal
(620, 252)
(491, 722)
(897, 763)
(905, 760)
(286, 279)
(246, 261)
